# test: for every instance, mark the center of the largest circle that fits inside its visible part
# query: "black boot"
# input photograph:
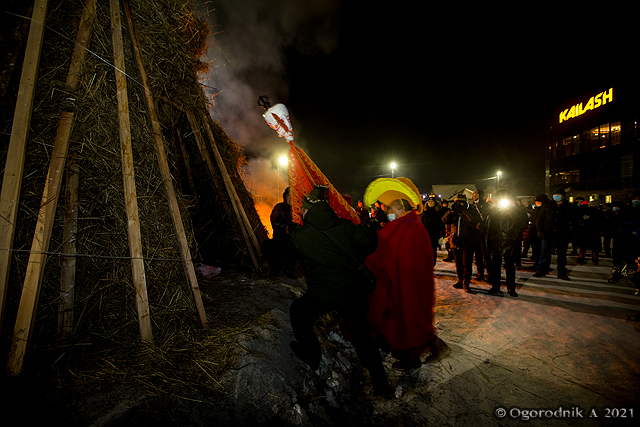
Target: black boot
(495, 290)
(465, 286)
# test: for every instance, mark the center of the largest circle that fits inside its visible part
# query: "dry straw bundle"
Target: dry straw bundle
(173, 40)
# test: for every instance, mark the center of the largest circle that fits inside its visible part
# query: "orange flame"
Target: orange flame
(264, 212)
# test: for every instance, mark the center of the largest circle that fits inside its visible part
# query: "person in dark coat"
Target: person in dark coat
(479, 251)
(504, 225)
(590, 221)
(464, 222)
(334, 282)
(546, 229)
(626, 240)
(536, 241)
(565, 224)
(274, 250)
(431, 218)
(447, 230)
(362, 211)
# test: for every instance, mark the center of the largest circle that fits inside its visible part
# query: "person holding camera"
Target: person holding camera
(465, 223)
(504, 226)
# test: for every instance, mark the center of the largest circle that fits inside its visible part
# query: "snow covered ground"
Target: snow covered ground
(560, 344)
(562, 353)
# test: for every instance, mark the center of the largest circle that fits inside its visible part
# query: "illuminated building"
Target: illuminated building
(593, 148)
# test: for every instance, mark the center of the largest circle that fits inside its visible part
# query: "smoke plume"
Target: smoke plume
(248, 48)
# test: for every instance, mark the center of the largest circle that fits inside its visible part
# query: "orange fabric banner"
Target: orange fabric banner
(304, 175)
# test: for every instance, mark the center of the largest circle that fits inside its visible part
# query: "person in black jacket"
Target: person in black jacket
(274, 250)
(536, 242)
(431, 218)
(546, 229)
(479, 251)
(464, 223)
(626, 241)
(565, 225)
(334, 282)
(590, 222)
(504, 225)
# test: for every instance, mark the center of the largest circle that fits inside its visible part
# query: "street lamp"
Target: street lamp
(393, 169)
(283, 160)
(498, 180)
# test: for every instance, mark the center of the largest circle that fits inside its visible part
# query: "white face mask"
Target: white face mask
(391, 217)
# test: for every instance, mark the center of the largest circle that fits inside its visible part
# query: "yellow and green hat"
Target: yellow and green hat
(387, 190)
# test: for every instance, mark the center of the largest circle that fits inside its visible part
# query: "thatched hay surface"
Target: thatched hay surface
(173, 39)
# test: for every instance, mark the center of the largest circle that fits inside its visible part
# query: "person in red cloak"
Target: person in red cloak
(401, 309)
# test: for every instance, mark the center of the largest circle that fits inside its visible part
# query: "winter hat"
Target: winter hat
(316, 195)
(460, 197)
(387, 190)
(559, 191)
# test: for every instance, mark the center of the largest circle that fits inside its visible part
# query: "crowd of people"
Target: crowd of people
(397, 242)
(499, 231)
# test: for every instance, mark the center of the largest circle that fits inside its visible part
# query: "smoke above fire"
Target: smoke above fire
(247, 54)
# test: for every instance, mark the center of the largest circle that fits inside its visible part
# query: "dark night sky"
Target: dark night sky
(451, 94)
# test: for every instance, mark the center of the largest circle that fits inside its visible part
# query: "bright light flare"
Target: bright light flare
(283, 160)
(504, 203)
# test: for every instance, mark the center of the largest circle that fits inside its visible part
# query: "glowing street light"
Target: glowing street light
(498, 180)
(393, 169)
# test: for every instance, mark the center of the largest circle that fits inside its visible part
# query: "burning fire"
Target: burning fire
(264, 212)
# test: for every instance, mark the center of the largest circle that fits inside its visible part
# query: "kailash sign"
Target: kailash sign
(593, 102)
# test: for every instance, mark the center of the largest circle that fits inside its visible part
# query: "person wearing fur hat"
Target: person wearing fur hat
(464, 222)
(401, 308)
(334, 282)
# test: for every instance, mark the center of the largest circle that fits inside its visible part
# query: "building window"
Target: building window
(594, 138)
(604, 135)
(576, 144)
(553, 150)
(566, 147)
(616, 131)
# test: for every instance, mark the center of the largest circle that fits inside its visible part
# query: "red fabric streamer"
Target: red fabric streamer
(304, 175)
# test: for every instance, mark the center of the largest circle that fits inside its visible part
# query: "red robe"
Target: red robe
(401, 309)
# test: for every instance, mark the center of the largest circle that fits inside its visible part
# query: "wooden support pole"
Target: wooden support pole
(12, 180)
(187, 164)
(133, 221)
(204, 153)
(212, 170)
(70, 228)
(69, 233)
(161, 155)
(42, 236)
(250, 236)
(40, 245)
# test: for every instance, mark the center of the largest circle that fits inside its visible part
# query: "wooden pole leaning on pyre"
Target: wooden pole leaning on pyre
(161, 155)
(245, 226)
(46, 215)
(14, 167)
(247, 231)
(131, 203)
